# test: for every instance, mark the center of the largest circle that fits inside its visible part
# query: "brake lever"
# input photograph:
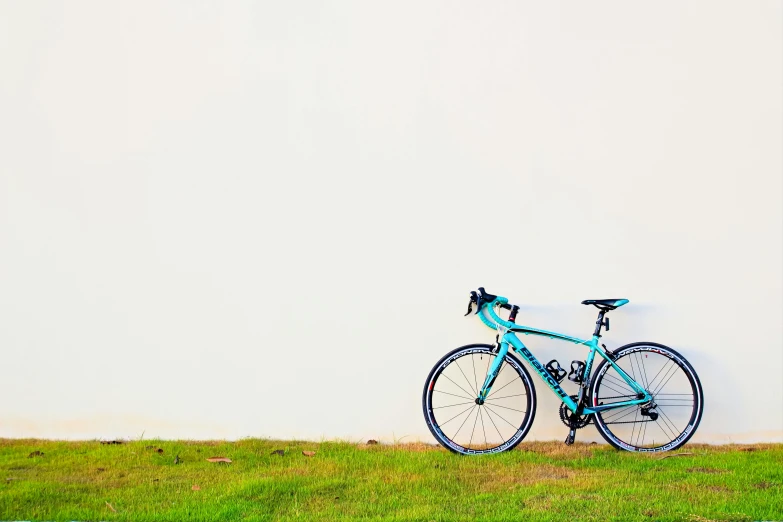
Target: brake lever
(474, 298)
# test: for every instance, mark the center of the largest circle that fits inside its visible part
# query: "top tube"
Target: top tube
(494, 320)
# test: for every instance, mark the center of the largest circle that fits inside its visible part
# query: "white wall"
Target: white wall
(236, 219)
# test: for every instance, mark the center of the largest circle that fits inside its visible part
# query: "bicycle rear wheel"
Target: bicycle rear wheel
(462, 425)
(664, 424)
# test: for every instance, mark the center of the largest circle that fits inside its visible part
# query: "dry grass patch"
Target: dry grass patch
(559, 450)
(497, 479)
(709, 471)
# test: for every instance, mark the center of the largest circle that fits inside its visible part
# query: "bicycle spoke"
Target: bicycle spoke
(474, 428)
(636, 356)
(502, 417)
(666, 377)
(669, 421)
(457, 385)
(644, 369)
(454, 417)
(618, 382)
(667, 381)
(616, 391)
(506, 407)
(447, 393)
(452, 405)
(496, 427)
(475, 380)
(631, 422)
(503, 366)
(508, 396)
(615, 411)
(626, 397)
(615, 419)
(662, 426)
(463, 423)
(463, 374)
(643, 436)
(495, 391)
(630, 361)
(659, 371)
(483, 429)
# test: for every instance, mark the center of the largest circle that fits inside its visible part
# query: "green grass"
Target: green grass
(537, 481)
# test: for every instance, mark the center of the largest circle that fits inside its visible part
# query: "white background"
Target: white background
(231, 219)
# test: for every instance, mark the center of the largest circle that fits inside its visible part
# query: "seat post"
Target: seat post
(599, 323)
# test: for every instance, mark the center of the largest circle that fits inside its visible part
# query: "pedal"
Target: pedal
(555, 370)
(577, 371)
(570, 438)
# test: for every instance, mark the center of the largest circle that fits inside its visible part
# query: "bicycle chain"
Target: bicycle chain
(625, 422)
(629, 422)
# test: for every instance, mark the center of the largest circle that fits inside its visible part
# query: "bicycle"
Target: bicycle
(622, 374)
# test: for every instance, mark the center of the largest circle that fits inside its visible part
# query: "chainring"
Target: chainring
(573, 421)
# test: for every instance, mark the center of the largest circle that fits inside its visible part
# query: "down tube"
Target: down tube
(532, 361)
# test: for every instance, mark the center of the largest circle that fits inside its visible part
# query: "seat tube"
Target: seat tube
(589, 361)
(494, 370)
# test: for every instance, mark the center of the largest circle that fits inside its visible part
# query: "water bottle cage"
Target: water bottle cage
(555, 370)
(577, 372)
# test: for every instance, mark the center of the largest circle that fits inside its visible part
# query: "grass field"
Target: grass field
(538, 481)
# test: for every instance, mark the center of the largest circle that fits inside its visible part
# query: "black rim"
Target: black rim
(674, 412)
(463, 424)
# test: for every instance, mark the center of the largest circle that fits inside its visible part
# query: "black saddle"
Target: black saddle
(606, 304)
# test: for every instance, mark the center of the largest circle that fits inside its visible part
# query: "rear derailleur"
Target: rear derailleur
(646, 411)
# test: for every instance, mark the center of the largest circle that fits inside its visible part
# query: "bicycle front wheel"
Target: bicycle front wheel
(664, 424)
(455, 418)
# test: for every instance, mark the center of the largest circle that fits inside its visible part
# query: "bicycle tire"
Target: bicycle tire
(692, 423)
(429, 390)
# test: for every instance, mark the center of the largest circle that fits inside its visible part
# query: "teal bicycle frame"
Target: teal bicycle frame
(507, 337)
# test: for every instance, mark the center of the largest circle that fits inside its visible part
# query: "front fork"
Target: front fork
(493, 372)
